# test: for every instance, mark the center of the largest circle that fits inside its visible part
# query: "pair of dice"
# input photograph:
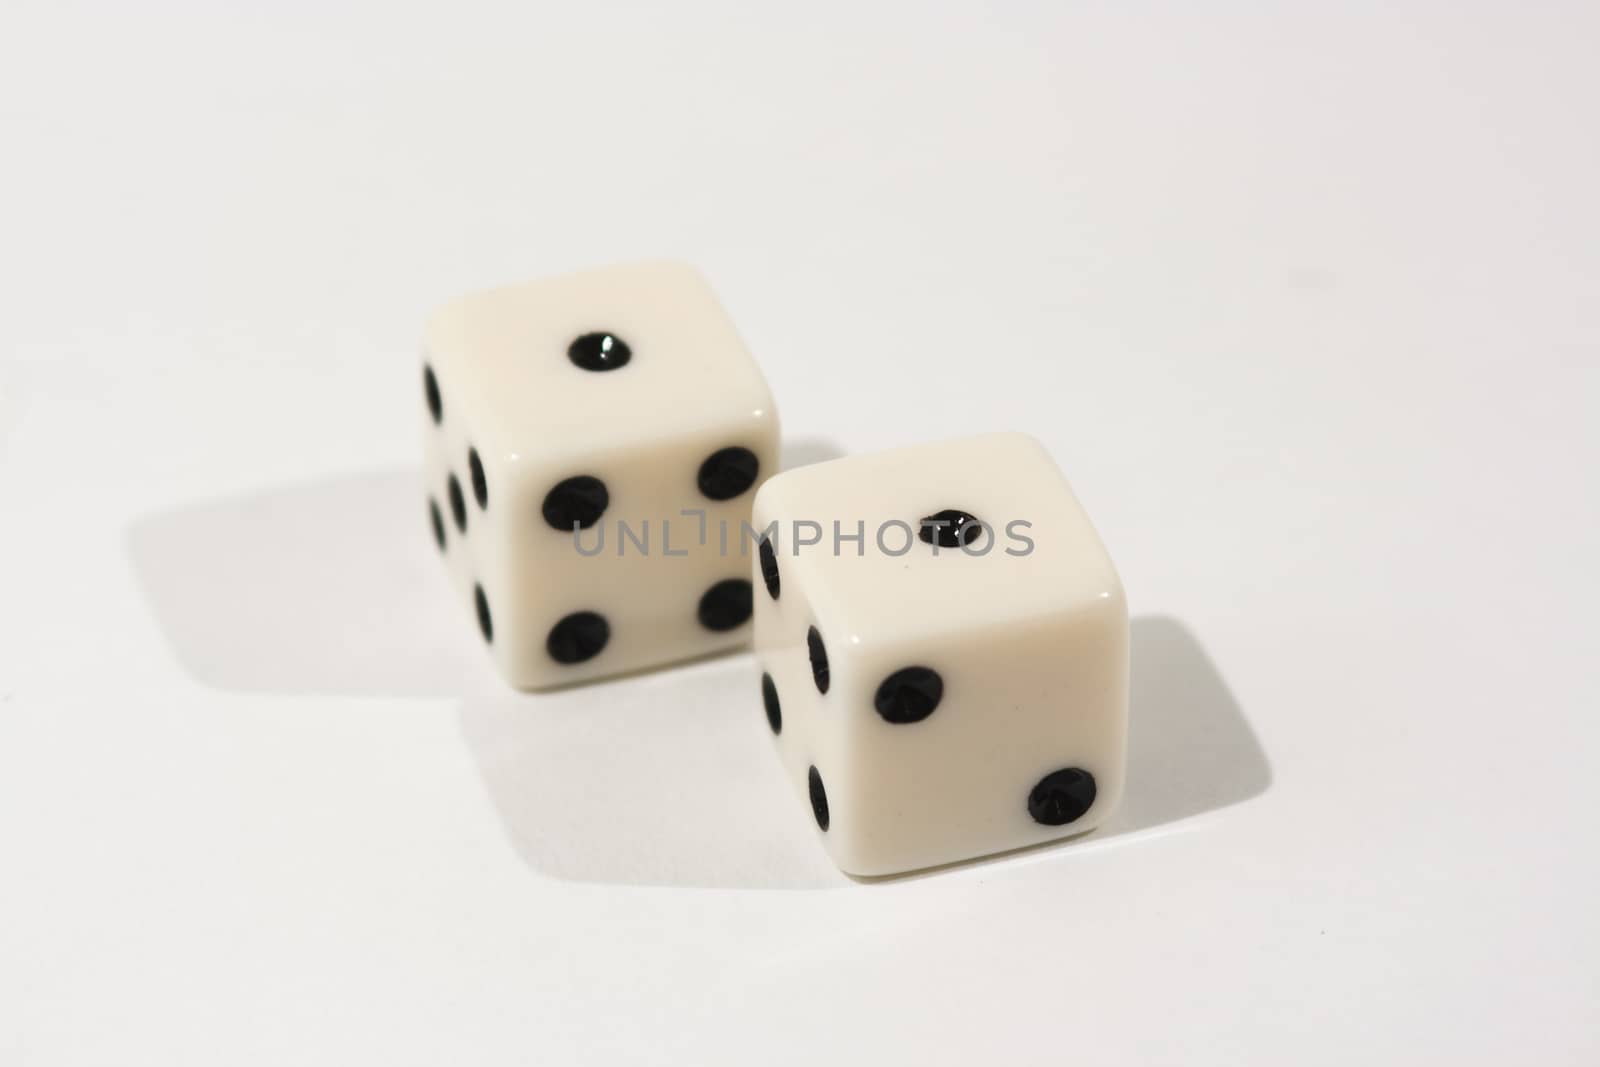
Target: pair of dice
(942, 638)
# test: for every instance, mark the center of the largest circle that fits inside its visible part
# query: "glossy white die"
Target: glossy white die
(933, 702)
(620, 400)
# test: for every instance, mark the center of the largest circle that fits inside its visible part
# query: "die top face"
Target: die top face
(613, 359)
(1044, 558)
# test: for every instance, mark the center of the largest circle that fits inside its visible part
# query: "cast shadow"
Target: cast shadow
(661, 779)
(1190, 748)
(670, 779)
(330, 588)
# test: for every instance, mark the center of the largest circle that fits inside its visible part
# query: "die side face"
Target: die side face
(471, 546)
(1018, 704)
(795, 668)
(655, 471)
(973, 707)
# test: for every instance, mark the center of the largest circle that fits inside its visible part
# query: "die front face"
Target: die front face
(970, 701)
(602, 432)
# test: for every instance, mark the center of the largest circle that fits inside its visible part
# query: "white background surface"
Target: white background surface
(1306, 303)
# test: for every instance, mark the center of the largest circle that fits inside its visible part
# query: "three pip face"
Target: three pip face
(943, 655)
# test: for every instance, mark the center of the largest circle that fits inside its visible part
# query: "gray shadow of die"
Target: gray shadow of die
(331, 588)
(662, 779)
(1190, 748)
(334, 588)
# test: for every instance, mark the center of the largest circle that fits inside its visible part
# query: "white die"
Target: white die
(973, 703)
(620, 395)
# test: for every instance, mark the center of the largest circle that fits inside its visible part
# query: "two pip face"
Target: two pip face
(592, 445)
